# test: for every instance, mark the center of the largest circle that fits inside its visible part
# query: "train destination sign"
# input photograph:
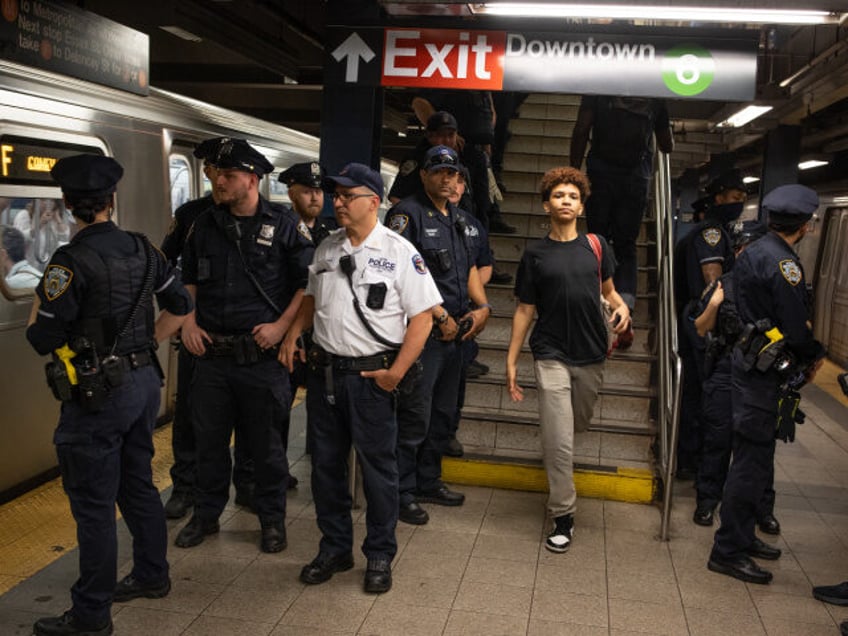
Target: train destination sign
(682, 64)
(25, 161)
(62, 38)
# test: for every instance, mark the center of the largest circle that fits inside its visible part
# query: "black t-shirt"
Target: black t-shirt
(561, 280)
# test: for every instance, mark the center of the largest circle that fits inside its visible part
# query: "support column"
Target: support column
(780, 159)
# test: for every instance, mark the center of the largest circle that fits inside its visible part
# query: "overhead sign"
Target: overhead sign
(28, 161)
(685, 65)
(64, 39)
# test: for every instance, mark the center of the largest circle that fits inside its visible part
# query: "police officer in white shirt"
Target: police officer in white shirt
(370, 299)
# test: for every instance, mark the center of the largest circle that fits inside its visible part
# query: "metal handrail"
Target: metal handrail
(670, 366)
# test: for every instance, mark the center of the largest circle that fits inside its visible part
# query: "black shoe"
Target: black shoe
(324, 566)
(703, 515)
(743, 568)
(293, 482)
(500, 278)
(454, 448)
(178, 505)
(244, 497)
(195, 531)
(475, 370)
(498, 226)
(762, 550)
(413, 514)
(769, 525)
(833, 594)
(378, 576)
(442, 496)
(66, 625)
(273, 537)
(129, 588)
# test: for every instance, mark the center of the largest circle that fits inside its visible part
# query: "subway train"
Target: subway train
(44, 116)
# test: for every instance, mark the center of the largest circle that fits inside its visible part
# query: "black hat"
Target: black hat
(91, 176)
(745, 232)
(239, 155)
(791, 203)
(208, 148)
(440, 157)
(310, 174)
(728, 180)
(358, 174)
(441, 119)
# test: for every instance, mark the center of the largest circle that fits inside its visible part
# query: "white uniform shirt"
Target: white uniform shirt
(384, 257)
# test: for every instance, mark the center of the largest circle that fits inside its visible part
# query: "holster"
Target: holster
(409, 382)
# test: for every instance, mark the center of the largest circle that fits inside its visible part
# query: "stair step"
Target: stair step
(502, 298)
(539, 127)
(551, 98)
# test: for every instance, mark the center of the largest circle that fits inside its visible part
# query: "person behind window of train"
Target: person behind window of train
(716, 318)
(18, 273)
(353, 374)
(619, 166)
(89, 300)
(305, 182)
(562, 277)
(437, 229)
(245, 264)
(771, 296)
(183, 472)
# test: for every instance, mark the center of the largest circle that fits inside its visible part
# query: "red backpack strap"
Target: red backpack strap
(596, 248)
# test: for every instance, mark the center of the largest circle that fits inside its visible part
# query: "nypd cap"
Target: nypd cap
(439, 157)
(358, 174)
(208, 148)
(441, 119)
(791, 203)
(727, 180)
(745, 232)
(237, 154)
(310, 174)
(87, 175)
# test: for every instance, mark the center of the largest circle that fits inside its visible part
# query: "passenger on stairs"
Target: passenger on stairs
(561, 278)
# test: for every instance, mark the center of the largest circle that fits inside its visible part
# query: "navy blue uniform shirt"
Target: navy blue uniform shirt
(708, 243)
(442, 244)
(277, 254)
(184, 218)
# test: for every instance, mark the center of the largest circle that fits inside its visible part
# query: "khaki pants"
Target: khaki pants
(567, 396)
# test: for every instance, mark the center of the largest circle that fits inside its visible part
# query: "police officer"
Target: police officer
(244, 262)
(355, 367)
(701, 257)
(94, 308)
(717, 319)
(772, 297)
(182, 431)
(437, 229)
(305, 182)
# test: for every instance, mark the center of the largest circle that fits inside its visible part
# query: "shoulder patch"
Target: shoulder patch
(303, 230)
(791, 272)
(398, 223)
(711, 236)
(57, 279)
(419, 264)
(408, 166)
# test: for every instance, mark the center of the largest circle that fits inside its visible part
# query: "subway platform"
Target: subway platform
(479, 569)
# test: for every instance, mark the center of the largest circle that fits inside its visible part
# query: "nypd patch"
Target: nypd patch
(791, 272)
(711, 236)
(57, 279)
(303, 230)
(419, 264)
(398, 223)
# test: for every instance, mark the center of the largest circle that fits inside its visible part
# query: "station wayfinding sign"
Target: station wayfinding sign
(684, 64)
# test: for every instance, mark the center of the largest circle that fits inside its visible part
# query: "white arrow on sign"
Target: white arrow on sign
(353, 48)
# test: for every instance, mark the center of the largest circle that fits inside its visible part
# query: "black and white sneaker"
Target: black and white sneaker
(559, 540)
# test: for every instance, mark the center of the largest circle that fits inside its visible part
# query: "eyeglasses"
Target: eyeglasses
(346, 198)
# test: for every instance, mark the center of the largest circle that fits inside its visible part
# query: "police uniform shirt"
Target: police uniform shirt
(708, 243)
(384, 258)
(63, 288)
(275, 252)
(770, 284)
(444, 248)
(478, 243)
(184, 218)
(561, 279)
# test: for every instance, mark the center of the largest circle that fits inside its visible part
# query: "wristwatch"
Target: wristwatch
(443, 318)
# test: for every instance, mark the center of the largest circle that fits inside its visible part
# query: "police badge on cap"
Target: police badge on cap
(237, 154)
(311, 174)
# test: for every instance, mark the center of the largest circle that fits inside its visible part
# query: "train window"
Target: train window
(32, 229)
(277, 191)
(180, 170)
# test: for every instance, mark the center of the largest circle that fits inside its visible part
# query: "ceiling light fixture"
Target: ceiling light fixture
(182, 33)
(750, 179)
(811, 163)
(643, 12)
(742, 117)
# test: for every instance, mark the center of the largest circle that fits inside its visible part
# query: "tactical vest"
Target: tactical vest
(113, 287)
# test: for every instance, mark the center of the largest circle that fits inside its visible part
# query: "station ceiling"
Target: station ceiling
(265, 58)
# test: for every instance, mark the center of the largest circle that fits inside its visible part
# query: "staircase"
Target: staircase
(614, 459)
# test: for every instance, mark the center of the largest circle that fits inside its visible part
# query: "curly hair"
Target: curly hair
(558, 176)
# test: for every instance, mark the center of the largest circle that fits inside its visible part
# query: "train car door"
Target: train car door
(831, 299)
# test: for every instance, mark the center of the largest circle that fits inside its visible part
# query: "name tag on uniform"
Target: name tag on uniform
(431, 232)
(266, 235)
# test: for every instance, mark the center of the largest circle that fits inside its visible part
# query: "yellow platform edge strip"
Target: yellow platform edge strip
(632, 485)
